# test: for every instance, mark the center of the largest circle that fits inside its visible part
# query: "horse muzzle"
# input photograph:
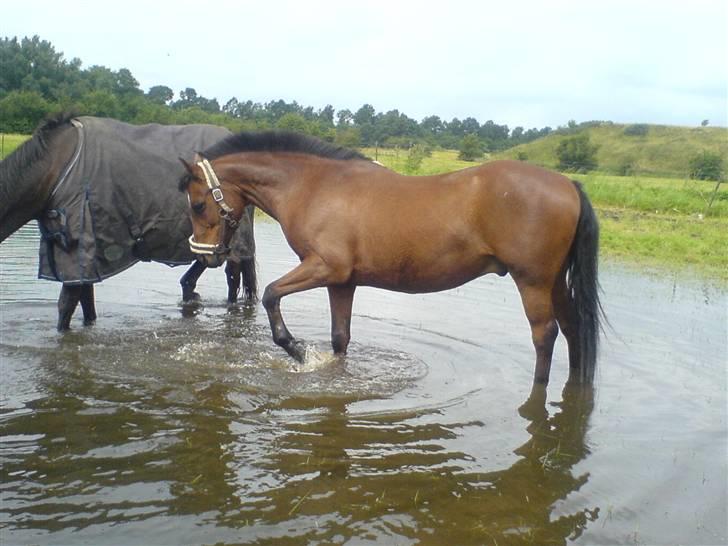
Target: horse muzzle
(209, 254)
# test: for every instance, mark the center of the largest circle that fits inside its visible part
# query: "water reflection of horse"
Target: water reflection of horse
(105, 196)
(401, 467)
(353, 222)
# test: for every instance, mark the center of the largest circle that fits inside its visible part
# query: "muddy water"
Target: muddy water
(161, 427)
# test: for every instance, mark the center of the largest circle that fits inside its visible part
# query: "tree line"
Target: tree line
(36, 80)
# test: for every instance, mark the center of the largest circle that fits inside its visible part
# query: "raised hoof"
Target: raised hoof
(297, 350)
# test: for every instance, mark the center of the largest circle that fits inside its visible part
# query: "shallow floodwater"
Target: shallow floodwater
(158, 426)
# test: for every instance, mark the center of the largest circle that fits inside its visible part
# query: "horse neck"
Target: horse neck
(264, 180)
(27, 177)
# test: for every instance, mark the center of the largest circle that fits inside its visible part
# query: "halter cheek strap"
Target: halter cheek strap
(225, 212)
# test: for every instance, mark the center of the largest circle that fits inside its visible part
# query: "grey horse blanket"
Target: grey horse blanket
(117, 201)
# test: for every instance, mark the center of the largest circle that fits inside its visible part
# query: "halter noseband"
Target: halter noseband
(225, 212)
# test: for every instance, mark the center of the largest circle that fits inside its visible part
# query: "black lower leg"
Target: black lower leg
(249, 276)
(189, 281)
(88, 305)
(67, 302)
(232, 272)
(281, 336)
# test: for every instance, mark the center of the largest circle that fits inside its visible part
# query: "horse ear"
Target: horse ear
(187, 166)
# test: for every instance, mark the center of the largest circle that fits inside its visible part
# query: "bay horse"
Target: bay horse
(120, 214)
(353, 222)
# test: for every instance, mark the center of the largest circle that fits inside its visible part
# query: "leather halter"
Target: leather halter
(226, 212)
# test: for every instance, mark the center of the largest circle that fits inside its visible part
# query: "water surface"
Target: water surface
(158, 426)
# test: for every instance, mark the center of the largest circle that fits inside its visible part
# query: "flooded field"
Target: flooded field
(161, 427)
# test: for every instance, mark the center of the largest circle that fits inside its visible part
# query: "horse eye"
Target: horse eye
(198, 207)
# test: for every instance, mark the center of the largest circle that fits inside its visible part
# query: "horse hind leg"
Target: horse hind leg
(88, 305)
(233, 274)
(250, 278)
(341, 298)
(538, 305)
(67, 303)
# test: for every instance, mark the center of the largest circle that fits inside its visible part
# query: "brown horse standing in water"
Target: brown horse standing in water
(355, 223)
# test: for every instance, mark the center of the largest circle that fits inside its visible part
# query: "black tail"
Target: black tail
(583, 286)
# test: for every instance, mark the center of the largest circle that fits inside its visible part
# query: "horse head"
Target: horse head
(214, 213)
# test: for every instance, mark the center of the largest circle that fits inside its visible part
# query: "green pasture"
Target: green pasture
(8, 143)
(439, 161)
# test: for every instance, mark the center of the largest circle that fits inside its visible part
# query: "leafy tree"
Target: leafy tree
(326, 115)
(432, 126)
(276, 109)
(365, 115)
(126, 84)
(471, 125)
(577, 154)
(344, 118)
(707, 166)
(32, 64)
(470, 148)
(100, 103)
(348, 137)
(100, 78)
(293, 122)
(160, 94)
(22, 111)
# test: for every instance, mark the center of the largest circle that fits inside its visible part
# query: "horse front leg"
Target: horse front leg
(341, 298)
(67, 302)
(311, 273)
(88, 304)
(189, 281)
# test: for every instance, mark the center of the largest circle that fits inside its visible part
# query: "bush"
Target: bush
(638, 129)
(707, 166)
(22, 111)
(415, 155)
(470, 148)
(627, 166)
(577, 154)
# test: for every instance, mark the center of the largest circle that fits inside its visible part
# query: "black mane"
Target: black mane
(279, 141)
(15, 168)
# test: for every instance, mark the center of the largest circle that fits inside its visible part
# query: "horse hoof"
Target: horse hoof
(191, 297)
(297, 350)
(89, 322)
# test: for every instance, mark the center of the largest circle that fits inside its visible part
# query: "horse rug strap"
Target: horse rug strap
(119, 188)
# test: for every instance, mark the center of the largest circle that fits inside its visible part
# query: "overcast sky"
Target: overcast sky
(518, 62)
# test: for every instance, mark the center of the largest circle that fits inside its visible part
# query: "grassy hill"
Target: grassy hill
(664, 151)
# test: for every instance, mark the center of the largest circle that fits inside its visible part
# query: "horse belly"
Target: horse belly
(431, 275)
